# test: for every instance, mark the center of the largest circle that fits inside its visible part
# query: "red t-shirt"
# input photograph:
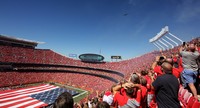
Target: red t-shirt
(158, 71)
(121, 99)
(148, 79)
(180, 64)
(176, 72)
(143, 101)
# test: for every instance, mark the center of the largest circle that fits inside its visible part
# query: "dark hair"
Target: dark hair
(161, 60)
(144, 72)
(64, 100)
(102, 105)
(184, 43)
(143, 81)
(176, 63)
(131, 92)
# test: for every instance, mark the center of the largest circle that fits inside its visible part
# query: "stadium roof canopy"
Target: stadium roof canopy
(7, 40)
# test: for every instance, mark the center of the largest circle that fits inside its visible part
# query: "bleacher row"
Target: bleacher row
(78, 70)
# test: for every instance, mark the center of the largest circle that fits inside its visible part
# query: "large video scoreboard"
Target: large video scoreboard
(91, 57)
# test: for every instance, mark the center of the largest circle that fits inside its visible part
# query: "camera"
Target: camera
(184, 43)
(161, 58)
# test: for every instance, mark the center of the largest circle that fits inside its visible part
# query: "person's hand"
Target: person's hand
(196, 47)
(128, 85)
(157, 58)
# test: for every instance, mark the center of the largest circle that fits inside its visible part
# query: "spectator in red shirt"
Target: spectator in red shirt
(175, 70)
(156, 66)
(124, 95)
(108, 96)
(128, 94)
(143, 87)
(177, 62)
(150, 93)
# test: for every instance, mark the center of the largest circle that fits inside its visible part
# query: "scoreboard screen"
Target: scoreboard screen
(91, 57)
(116, 57)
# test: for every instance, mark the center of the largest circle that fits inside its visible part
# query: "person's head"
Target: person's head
(192, 47)
(135, 78)
(64, 100)
(102, 105)
(161, 60)
(143, 81)
(144, 72)
(130, 92)
(166, 68)
(169, 60)
(177, 55)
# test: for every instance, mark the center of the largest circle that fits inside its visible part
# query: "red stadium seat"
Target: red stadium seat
(191, 102)
(196, 104)
(182, 94)
(180, 90)
(186, 97)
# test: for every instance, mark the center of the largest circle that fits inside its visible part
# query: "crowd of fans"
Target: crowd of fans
(172, 81)
(83, 81)
(45, 56)
(151, 80)
(75, 69)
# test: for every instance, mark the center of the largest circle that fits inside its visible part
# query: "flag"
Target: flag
(32, 97)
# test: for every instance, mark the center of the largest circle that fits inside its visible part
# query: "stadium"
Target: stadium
(100, 54)
(32, 77)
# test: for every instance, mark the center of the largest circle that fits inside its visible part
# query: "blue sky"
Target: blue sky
(116, 27)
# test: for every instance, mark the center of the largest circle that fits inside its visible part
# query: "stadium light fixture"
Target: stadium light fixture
(168, 43)
(157, 46)
(176, 37)
(161, 43)
(172, 40)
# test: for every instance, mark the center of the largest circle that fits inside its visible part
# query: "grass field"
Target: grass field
(82, 93)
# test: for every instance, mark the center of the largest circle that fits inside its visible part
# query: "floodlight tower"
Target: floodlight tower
(165, 40)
